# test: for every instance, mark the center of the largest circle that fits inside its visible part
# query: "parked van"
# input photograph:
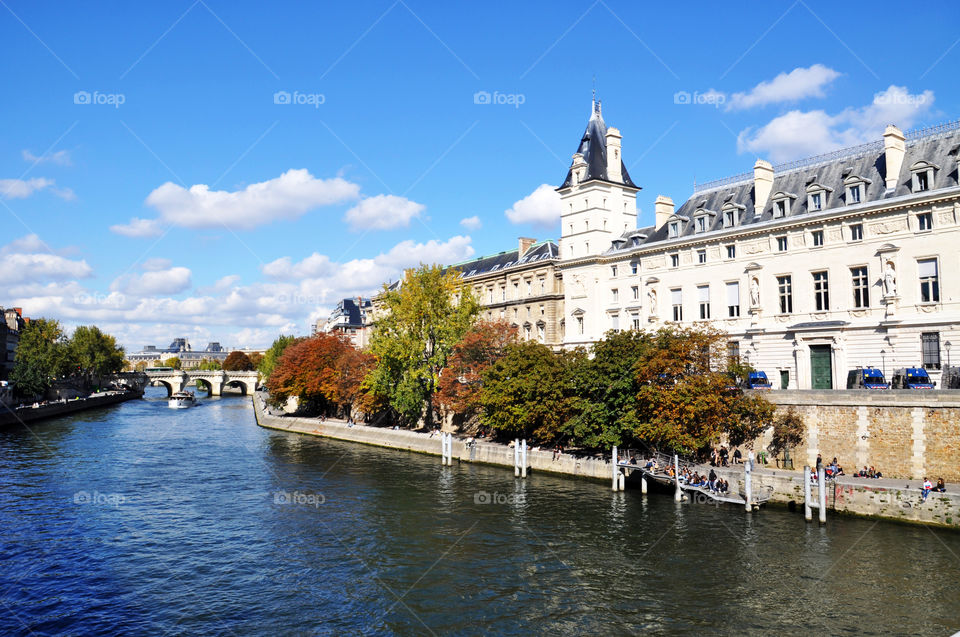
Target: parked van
(911, 378)
(758, 380)
(866, 378)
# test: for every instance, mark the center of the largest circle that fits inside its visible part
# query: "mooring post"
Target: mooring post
(678, 495)
(523, 459)
(516, 457)
(622, 481)
(747, 470)
(643, 484)
(807, 515)
(449, 449)
(822, 493)
(443, 448)
(614, 469)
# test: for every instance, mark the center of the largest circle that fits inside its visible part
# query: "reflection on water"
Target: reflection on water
(141, 519)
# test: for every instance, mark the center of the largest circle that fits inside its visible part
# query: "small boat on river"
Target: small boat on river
(181, 400)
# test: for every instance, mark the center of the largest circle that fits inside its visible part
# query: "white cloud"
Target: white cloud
(283, 269)
(804, 133)
(798, 84)
(472, 223)
(541, 208)
(153, 282)
(138, 228)
(383, 212)
(21, 262)
(23, 188)
(408, 253)
(155, 264)
(61, 157)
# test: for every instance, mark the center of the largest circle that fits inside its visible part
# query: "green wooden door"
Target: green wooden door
(821, 376)
(784, 379)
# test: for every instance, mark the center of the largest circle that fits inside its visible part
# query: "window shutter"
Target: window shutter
(733, 293)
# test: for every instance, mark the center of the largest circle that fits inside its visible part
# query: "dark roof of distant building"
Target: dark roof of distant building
(593, 147)
(543, 251)
(353, 310)
(938, 145)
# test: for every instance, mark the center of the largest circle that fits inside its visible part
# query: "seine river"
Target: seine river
(148, 521)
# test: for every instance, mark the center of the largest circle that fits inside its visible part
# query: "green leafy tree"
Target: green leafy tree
(42, 355)
(140, 366)
(207, 364)
(423, 319)
(527, 392)
(94, 354)
(237, 361)
(173, 361)
(272, 355)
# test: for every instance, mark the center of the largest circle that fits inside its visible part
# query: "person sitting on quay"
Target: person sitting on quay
(927, 488)
(651, 464)
(737, 456)
(723, 456)
(941, 487)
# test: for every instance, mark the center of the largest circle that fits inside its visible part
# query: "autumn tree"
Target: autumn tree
(173, 361)
(255, 359)
(207, 364)
(685, 401)
(42, 355)
(788, 431)
(422, 320)
(527, 392)
(458, 391)
(237, 361)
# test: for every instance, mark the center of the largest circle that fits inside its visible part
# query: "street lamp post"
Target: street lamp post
(883, 358)
(947, 346)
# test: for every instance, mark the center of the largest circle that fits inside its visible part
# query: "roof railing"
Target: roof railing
(913, 135)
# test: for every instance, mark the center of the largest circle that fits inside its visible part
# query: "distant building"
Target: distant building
(350, 318)
(181, 348)
(11, 323)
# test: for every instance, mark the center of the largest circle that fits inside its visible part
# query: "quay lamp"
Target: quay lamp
(947, 346)
(883, 357)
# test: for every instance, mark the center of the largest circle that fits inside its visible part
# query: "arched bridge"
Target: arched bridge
(214, 380)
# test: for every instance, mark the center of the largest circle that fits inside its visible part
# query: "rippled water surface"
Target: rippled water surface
(144, 520)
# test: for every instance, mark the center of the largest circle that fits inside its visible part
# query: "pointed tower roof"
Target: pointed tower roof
(593, 147)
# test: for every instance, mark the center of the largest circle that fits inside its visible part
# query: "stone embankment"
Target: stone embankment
(10, 416)
(887, 499)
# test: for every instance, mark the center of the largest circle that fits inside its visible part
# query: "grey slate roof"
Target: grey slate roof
(939, 145)
(593, 147)
(352, 310)
(542, 251)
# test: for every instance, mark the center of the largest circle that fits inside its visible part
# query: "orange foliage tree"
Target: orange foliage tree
(458, 392)
(324, 372)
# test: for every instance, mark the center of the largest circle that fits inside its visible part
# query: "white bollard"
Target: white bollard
(747, 486)
(523, 459)
(614, 470)
(516, 458)
(822, 489)
(807, 514)
(622, 482)
(678, 495)
(643, 485)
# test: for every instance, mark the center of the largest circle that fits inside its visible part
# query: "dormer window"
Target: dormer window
(817, 197)
(856, 189)
(730, 214)
(674, 229)
(923, 175)
(781, 204)
(701, 224)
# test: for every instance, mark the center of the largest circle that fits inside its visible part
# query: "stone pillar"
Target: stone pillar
(919, 443)
(863, 438)
(813, 437)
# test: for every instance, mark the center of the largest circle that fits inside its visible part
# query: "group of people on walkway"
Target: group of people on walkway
(928, 487)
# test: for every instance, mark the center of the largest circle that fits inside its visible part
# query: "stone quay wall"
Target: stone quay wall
(10, 417)
(905, 434)
(859, 497)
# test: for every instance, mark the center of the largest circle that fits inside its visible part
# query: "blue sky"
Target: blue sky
(150, 182)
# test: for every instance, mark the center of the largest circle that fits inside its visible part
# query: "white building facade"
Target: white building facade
(813, 268)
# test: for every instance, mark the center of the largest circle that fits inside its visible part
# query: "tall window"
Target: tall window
(701, 224)
(633, 267)
(674, 229)
(614, 295)
(635, 292)
(728, 219)
(516, 289)
(703, 296)
(733, 352)
(615, 322)
(854, 194)
(817, 238)
(816, 201)
(701, 256)
(861, 287)
(674, 260)
(731, 252)
(781, 244)
(856, 232)
(543, 286)
(733, 299)
(924, 221)
(929, 281)
(676, 297)
(821, 291)
(923, 183)
(613, 271)
(636, 322)
(579, 325)
(785, 290)
(930, 342)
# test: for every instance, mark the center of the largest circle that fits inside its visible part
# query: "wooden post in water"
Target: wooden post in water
(614, 470)
(747, 470)
(523, 459)
(678, 495)
(807, 514)
(516, 457)
(822, 492)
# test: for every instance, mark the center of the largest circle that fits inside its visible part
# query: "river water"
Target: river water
(143, 520)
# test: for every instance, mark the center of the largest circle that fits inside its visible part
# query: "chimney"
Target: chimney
(613, 155)
(762, 184)
(525, 243)
(894, 149)
(663, 208)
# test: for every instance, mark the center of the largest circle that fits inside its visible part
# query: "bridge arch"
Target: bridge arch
(163, 383)
(244, 386)
(204, 385)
